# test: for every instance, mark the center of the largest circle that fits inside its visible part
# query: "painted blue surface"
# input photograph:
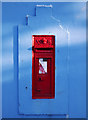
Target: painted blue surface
(0, 60)
(72, 16)
(42, 25)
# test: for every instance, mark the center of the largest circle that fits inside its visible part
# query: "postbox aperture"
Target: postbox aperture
(43, 66)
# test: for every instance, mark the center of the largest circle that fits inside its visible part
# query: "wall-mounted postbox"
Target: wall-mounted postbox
(41, 87)
(43, 66)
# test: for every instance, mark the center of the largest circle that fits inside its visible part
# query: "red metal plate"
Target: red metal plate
(43, 41)
(43, 73)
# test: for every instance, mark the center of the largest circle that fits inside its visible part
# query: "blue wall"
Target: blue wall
(72, 17)
(0, 60)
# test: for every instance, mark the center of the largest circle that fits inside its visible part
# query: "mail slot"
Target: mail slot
(43, 66)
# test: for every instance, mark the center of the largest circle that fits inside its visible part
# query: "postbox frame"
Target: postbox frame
(49, 52)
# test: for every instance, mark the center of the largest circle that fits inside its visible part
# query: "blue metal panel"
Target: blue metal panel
(25, 66)
(71, 15)
(0, 60)
(27, 105)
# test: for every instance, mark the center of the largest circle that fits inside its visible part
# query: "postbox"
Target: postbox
(42, 45)
(43, 67)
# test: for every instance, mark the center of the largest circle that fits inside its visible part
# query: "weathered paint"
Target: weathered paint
(72, 15)
(38, 26)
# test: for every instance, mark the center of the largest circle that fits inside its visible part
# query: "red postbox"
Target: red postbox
(43, 66)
